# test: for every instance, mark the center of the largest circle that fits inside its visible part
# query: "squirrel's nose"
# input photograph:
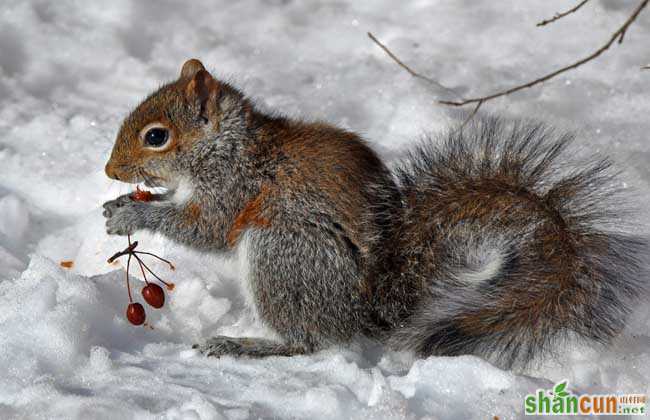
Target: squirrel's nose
(110, 171)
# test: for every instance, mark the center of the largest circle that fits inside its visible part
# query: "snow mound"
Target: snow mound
(70, 71)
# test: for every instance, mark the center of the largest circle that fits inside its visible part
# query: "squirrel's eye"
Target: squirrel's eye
(156, 137)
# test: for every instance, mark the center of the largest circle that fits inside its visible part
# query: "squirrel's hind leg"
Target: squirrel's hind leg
(251, 347)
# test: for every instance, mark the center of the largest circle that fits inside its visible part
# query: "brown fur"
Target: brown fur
(192, 214)
(130, 154)
(316, 158)
(515, 207)
(511, 245)
(250, 216)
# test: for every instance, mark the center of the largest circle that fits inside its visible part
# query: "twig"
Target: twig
(619, 34)
(425, 78)
(646, 67)
(471, 115)
(561, 15)
(128, 250)
(410, 70)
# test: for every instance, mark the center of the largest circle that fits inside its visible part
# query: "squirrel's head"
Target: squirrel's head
(170, 122)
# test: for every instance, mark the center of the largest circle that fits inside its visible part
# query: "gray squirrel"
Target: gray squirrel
(485, 242)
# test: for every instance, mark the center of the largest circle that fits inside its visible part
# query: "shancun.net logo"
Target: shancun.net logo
(560, 401)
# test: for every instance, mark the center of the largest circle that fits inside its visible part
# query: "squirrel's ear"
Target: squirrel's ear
(204, 90)
(190, 68)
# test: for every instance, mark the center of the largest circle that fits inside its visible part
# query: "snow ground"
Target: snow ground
(70, 70)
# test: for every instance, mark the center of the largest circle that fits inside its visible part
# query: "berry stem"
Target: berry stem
(128, 250)
(131, 252)
(141, 269)
(149, 270)
(171, 266)
(128, 285)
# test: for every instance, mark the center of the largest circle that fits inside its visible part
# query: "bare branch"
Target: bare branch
(646, 67)
(561, 15)
(471, 115)
(619, 34)
(410, 70)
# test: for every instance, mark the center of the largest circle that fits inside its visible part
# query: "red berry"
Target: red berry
(154, 295)
(135, 314)
(141, 195)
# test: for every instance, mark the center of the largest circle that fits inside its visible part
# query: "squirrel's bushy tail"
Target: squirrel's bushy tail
(514, 247)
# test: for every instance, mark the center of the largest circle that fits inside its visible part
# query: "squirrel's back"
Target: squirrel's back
(514, 247)
(331, 177)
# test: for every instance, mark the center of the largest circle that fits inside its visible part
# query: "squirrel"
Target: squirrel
(487, 241)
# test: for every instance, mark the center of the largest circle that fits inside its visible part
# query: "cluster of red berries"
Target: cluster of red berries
(154, 296)
(151, 292)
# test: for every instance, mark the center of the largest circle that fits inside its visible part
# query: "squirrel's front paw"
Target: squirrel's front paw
(111, 206)
(124, 215)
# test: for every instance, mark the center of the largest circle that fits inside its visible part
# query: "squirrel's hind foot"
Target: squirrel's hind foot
(243, 346)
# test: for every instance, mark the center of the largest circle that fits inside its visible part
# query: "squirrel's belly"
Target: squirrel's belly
(243, 260)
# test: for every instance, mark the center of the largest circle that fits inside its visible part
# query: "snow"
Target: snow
(71, 70)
